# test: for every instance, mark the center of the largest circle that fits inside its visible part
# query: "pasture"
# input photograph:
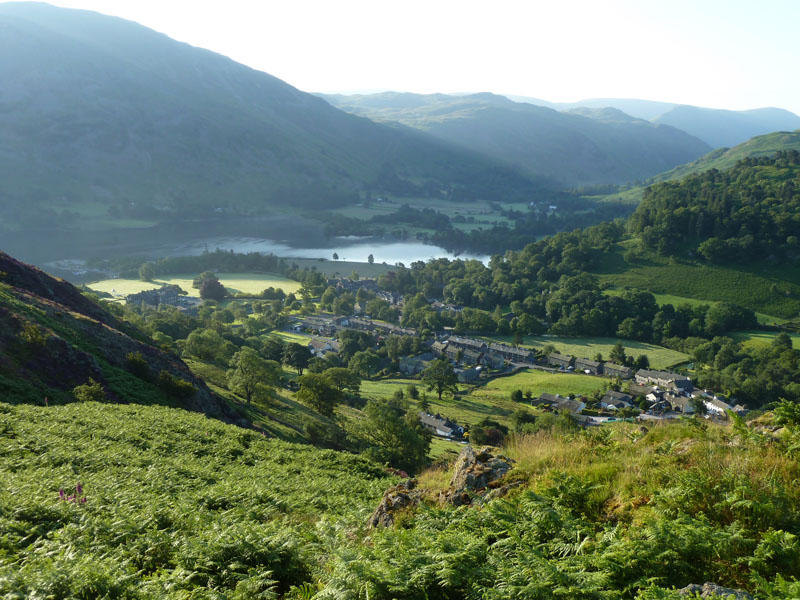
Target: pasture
(755, 338)
(538, 382)
(249, 283)
(660, 357)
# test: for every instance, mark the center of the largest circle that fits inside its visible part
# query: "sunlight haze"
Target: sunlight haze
(721, 54)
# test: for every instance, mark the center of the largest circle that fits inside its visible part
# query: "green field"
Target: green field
(660, 357)
(761, 338)
(538, 382)
(249, 283)
(662, 299)
(767, 289)
(341, 268)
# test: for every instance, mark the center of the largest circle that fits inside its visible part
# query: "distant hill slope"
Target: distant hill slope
(716, 127)
(98, 109)
(575, 149)
(53, 339)
(727, 127)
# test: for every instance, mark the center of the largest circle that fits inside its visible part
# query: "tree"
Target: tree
(392, 435)
(297, 356)
(370, 259)
(343, 379)
(516, 396)
(335, 256)
(317, 392)
(249, 371)
(440, 376)
(618, 355)
(212, 289)
(364, 362)
(147, 271)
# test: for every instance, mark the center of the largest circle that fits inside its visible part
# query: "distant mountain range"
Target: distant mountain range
(717, 127)
(96, 109)
(577, 148)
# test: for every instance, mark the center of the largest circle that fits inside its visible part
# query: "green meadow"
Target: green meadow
(538, 382)
(761, 338)
(660, 357)
(248, 283)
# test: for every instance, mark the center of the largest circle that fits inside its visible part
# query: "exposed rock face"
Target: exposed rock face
(475, 472)
(712, 590)
(400, 496)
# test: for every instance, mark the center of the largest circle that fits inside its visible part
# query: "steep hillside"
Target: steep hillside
(725, 158)
(53, 339)
(103, 501)
(575, 149)
(103, 117)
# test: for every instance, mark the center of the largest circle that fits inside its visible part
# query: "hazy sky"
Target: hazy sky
(733, 54)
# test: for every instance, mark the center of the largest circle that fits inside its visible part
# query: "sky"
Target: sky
(734, 54)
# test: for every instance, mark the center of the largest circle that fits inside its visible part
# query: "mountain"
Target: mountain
(575, 149)
(101, 114)
(716, 127)
(53, 339)
(728, 127)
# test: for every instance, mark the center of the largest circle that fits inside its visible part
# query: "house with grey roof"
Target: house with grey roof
(615, 370)
(560, 360)
(588, 366)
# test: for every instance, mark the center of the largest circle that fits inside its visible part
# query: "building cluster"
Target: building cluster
(588, 366)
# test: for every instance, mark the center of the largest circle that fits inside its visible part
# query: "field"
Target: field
(662, 299)
(761, 338)
(766, 289)
(660, 357)
(538, 382)
(249, 283)
(342, 268)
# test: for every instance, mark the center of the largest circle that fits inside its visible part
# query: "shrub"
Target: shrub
(89, 392)
(175, 387)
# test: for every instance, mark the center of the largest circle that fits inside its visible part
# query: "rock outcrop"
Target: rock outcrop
(712, 590)
(400, 496)
(476, 475)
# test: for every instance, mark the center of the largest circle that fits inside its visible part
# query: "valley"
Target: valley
(280, 341)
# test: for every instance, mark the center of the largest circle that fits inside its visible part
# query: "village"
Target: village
(631, 394)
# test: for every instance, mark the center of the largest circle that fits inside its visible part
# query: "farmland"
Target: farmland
(248, 283)
(660, 357)
(761, 338)
(538, 382)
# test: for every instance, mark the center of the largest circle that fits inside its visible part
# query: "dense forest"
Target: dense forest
(749, 211)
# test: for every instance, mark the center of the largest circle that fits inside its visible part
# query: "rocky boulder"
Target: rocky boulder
(400, 496)
(712, 590)
(475, 472)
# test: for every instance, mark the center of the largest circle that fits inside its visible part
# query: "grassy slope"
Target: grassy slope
(751, 287)
(175, 503)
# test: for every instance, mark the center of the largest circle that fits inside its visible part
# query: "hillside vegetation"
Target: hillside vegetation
(153, 502)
